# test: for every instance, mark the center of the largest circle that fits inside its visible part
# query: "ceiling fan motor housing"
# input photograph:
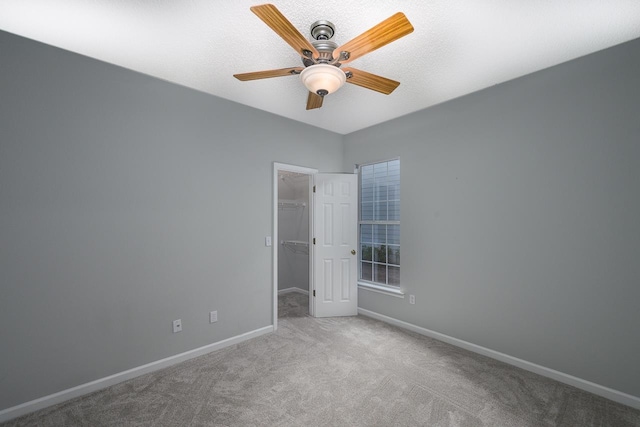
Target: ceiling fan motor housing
(321, 33)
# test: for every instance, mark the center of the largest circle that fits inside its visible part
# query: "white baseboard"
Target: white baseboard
(90, 387)
(288, 290)
(606, 392)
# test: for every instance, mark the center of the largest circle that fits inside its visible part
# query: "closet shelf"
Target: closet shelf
(291, 204)
(295, 243)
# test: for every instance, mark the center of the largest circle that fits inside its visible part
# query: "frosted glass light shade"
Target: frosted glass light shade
(323, 77)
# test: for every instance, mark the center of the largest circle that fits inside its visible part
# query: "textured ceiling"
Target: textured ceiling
(457, 47)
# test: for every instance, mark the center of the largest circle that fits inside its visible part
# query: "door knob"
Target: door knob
(353, 251)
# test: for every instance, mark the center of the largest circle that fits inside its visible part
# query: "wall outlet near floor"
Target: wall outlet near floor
(213, 317)
(177, 325)
(412, 299)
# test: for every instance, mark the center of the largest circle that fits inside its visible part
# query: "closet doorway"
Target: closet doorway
(292, 248)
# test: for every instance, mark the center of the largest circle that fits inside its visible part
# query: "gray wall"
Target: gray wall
(521, 216)
(125, 203)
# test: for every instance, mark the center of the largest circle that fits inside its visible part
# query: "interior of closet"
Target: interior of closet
(293, 232)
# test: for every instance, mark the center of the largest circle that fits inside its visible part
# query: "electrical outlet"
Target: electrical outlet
(267, 241)
(213, 317)
(412, 299)
(177, 325)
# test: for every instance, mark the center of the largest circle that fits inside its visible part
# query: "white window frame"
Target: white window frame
(385, 289)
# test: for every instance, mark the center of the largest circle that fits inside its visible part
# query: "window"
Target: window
(379, 223)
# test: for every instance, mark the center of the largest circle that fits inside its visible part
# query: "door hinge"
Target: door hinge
(314, 292)
(314, 240)
(314, 188)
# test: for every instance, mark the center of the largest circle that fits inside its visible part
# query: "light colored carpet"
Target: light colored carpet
(337, 372)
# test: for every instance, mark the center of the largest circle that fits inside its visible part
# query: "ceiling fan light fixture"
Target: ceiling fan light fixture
(323, 79)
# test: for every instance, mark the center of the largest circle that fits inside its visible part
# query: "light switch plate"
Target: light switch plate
(267, 241)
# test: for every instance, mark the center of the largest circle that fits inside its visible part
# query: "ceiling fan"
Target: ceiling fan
(322, 58)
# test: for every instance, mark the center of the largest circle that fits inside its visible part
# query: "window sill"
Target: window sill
(394, 292)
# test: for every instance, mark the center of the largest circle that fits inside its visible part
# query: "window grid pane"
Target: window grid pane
(380, 223)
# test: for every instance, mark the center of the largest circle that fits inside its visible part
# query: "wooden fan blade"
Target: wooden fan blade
(269, 73)
(271, 16)
(389, 30)
(314, 101)
(371, 81)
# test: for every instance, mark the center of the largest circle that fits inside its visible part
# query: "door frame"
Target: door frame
(275, 241)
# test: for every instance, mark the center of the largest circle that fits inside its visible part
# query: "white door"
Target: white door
(335, 224)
